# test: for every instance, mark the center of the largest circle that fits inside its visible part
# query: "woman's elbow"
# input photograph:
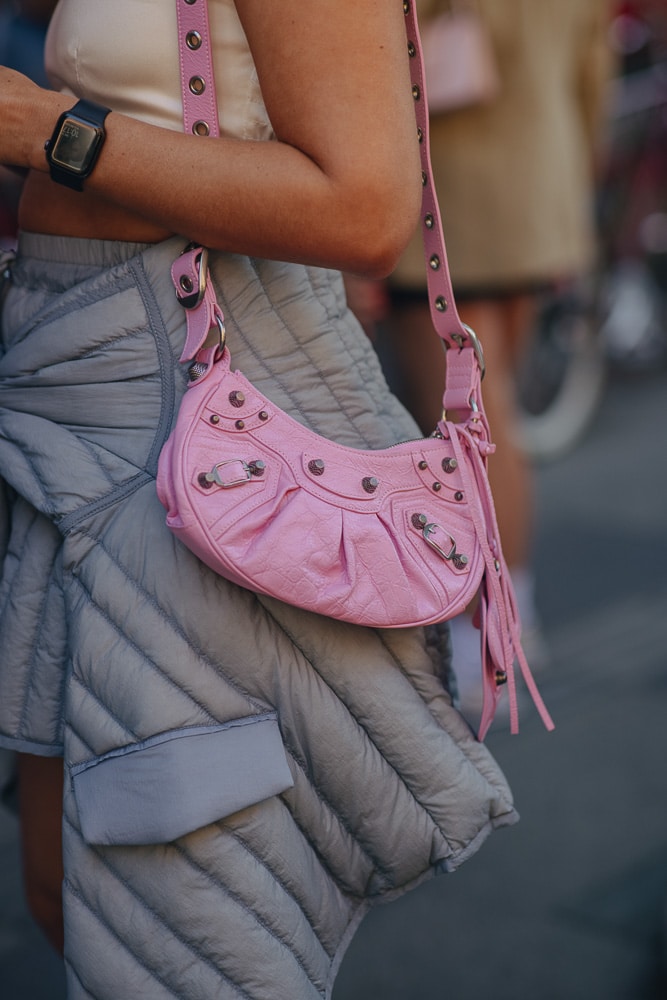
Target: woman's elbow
(381, 224)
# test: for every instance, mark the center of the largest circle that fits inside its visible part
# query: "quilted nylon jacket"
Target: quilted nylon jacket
(243, 779)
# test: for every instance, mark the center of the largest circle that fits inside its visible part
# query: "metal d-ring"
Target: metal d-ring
(222, 331)
(476, 346)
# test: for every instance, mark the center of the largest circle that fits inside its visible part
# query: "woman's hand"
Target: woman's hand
(23, 108)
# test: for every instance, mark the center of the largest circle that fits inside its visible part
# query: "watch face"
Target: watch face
(75, 145)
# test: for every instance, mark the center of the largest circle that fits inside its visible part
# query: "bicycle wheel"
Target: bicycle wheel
(562, 375)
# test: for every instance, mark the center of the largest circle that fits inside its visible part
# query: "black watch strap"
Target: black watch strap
(92, 112)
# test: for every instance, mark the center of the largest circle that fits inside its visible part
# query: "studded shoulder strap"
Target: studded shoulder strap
(200, 116)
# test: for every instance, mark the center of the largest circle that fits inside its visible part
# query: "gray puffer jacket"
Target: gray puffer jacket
(243, 779)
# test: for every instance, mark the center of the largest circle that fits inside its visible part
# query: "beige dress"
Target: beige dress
(514, 177)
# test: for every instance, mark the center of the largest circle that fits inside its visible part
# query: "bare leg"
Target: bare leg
(40, 810)
(500, 325)
(420, 362)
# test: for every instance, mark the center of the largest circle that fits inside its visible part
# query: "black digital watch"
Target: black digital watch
(75, 145)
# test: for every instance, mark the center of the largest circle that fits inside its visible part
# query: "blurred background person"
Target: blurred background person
(633, 195)
(515, 176)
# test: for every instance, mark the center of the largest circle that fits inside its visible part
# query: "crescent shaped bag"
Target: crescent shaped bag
(389, 538)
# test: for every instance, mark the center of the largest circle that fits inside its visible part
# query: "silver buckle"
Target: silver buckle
(460, 561)
(214, 475)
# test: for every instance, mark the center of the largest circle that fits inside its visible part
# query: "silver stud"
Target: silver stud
(434, 262)
(449, 464)
(437, 487)
(316, 466)
(429, 221)
(204, 481)
(419, 521)
(370, 484)
(423, 465)
(215, 419)
(412, 51)
(257, 467)
(441, 304)
(240, 424)
(236, 398)
(263, 415)
(460, 561)
(458, 496)
(500, 677)
(416, 92)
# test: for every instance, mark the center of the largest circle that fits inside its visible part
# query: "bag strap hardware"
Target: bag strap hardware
(236, 472)
(194, 276)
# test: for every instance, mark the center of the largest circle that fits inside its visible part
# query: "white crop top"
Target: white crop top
(124, 55)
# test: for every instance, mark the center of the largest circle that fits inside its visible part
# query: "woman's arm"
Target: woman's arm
(341, 186)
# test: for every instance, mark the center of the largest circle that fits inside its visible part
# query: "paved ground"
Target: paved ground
(571, 903)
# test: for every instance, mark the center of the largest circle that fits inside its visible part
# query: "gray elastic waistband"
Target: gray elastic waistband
(86, 252)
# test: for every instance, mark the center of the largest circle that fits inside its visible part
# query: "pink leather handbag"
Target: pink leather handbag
(389, 538)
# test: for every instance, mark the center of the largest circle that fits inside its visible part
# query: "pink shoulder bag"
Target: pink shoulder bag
(389, 538)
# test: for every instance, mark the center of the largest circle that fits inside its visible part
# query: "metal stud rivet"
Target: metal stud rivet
(416, 92)
(215, 419)
(449, 464)
(419, 520)
(441, 304)
(423, 465)
(434, 262)
(458, 496)
(370, 484)
(257, 467)
(500, 677)
(437, 487)
(197, 85)
(424, 178)
(429, 221)
(203, 481)
(420, 135)
(412, 51)
(236, 398)
(263, 415)
(460, 561)
(316, 466)
(406, 6)
(240, 424)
